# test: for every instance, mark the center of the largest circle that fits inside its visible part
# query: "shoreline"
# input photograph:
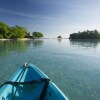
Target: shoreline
(29, 39)
(16, 39)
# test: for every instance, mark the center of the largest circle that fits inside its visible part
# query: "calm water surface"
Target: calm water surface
(73, 65)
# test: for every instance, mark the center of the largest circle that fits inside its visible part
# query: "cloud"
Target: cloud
(45, 18)
(25, 15)
(16, 13)
(47, 2)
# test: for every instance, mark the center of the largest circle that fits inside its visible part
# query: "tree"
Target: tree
(3, 29)
(85, 35)
(37, 34)
(18, 32)
(1, 36)
(59, 37)
(12, 32)
(27, 35)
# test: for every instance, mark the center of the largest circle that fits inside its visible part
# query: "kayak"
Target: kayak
(30, 83)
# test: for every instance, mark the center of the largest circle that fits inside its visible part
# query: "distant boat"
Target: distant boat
(30, 83)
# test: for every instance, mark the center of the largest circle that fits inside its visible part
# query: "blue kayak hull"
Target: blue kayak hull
(30, 91)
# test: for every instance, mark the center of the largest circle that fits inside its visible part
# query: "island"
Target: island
(16, 32)
(59, 37)
(94, 34)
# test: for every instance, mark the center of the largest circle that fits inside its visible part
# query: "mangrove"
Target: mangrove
(94, 34)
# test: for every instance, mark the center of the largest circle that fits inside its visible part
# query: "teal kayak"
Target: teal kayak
(30, 83)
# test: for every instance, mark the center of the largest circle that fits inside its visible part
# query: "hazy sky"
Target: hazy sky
(52, 17)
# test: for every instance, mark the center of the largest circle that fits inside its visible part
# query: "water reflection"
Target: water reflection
(19, 46)
(37, 43)
(13, 46)
(85, 42)
(59, 40)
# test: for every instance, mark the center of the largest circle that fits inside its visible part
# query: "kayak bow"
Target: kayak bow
(31, 83)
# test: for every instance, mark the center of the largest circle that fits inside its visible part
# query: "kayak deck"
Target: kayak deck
(30, 91)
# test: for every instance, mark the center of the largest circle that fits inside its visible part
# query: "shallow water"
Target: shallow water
(73, 65)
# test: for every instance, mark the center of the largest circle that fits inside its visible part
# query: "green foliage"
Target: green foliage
(1, 36)
(27, 35)
(18, 32)
(12, 32)
(3, 29)
(85, 35)
(37, 35)
(59, 37)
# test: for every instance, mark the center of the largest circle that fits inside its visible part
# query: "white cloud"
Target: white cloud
(47, 2)
(16, 13)
(30, 16)
(27, 15)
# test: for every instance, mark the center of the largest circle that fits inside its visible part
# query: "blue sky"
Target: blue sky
(52, 17)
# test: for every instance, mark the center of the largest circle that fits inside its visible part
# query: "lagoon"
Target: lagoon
(73, 65)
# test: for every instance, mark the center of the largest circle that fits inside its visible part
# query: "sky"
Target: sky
(52, 17)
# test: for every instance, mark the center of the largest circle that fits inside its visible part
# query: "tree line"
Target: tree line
(16, 31)
(94, 34)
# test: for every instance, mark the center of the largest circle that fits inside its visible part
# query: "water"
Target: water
(74, 66)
